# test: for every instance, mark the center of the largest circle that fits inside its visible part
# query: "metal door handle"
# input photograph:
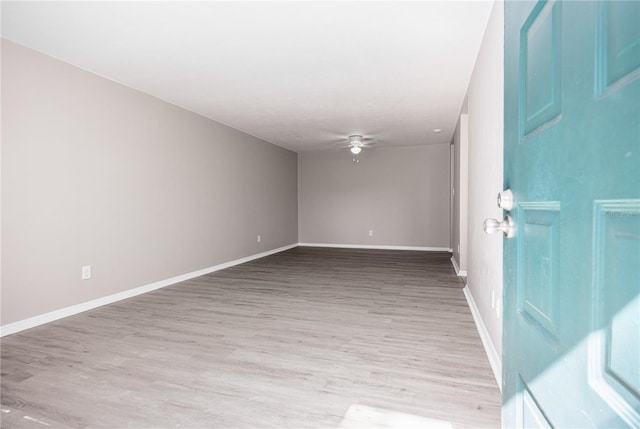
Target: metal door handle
(505, 199)
(507, 226)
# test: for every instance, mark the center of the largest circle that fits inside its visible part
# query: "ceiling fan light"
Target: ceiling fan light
(356, 150)
(355, 139)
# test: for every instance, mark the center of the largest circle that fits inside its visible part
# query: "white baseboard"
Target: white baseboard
(379, 247)
(459, 272)
(494, 358)
(32, 322)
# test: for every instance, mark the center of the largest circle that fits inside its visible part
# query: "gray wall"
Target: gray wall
(486, 112)
(401, 193)
(95, 173)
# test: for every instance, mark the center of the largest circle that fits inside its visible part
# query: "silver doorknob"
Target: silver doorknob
(507, 226)
(505, 199)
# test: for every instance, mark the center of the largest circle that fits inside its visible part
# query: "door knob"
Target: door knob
(505, 199)
(507, 226)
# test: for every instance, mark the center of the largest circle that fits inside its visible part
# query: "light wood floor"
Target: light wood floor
(287, 341)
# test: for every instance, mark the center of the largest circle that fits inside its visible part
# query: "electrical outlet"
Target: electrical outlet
(259, 238)
(86, 272)
(370, 233)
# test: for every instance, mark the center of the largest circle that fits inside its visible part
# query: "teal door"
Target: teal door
(571, 344)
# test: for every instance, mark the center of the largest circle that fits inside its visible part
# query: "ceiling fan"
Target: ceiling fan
(356, 143)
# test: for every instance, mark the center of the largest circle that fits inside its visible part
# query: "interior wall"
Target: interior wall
(486, 113)
(460, 193)
(96, 173)
(401, 194)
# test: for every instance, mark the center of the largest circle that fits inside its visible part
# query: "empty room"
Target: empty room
(315, 214)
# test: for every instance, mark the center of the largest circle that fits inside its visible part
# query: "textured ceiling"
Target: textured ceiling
(301, 75)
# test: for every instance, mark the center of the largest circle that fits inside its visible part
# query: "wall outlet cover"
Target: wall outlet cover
(86, 272)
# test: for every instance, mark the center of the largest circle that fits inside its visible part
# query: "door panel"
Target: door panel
(538, 275)
(540, 65)
(614, 360)
(619, 51)
(571, 336)
(530, 415)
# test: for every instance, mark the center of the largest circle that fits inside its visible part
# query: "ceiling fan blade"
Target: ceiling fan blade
(348, 141)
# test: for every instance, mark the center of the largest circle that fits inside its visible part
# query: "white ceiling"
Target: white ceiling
(297, 74)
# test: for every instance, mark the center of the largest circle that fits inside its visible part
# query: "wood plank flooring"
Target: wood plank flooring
(288, 341)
